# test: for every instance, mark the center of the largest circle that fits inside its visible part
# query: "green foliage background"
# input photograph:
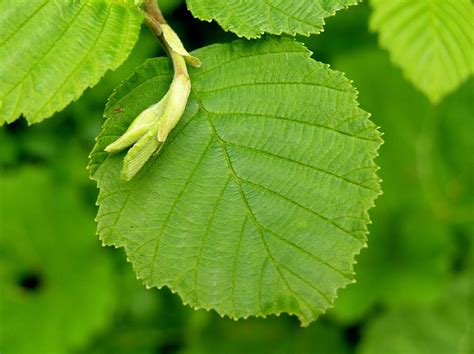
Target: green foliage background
(414, 289)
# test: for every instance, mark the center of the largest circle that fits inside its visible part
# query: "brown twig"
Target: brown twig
(152, 8)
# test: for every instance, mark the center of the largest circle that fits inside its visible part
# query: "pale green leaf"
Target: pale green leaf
(52, 50)
(56, 286)
(252, 18)
(431, 40)
(258, 202)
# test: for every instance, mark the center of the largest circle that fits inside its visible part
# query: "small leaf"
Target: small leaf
(431, 40)
(53, 50)
(257, 203)
(252, 18)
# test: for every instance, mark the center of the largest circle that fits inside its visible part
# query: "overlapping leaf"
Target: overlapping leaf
(52, 50)
(252, 18)
(431, 40)
(258, 203)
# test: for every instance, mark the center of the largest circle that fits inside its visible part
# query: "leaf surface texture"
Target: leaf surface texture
(258, 202)
(252, 18)
(52, 50)
(431, 40)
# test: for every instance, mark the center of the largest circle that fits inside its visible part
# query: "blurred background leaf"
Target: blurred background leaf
(56, 285)
(438, 329)
(426, 194)
(420, 244)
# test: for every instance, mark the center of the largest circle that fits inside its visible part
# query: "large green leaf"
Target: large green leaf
(258, 202)
(52, 50)
(431, 40)
(56, 286)
(252, 18)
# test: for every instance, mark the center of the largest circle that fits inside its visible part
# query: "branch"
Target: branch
(151, 8)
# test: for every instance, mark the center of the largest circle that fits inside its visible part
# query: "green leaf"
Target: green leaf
(431, 40)
(252, 18)
(53, 50)
(57, 287)
(258, 202)
(438, 329)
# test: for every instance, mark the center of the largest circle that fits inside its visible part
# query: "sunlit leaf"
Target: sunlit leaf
(252, 18)
(431, 40)
(51, 51)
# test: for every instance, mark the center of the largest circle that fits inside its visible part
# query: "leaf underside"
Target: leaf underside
(52, 50)
(431, 40)
(252, 18)
(258, 202)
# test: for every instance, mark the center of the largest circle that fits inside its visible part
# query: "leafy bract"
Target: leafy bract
(252, 18)
(56, 286)
(53, 50)
(431, 40)
(258, 202)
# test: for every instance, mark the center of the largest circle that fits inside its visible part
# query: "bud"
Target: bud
(139, 154)
(175, 105)
(148, 132)
(142, 124)
(176, 45)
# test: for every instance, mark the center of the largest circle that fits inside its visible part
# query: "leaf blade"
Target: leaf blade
(214, 217)
(429, 40)
(251, 18)
(52, 51)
